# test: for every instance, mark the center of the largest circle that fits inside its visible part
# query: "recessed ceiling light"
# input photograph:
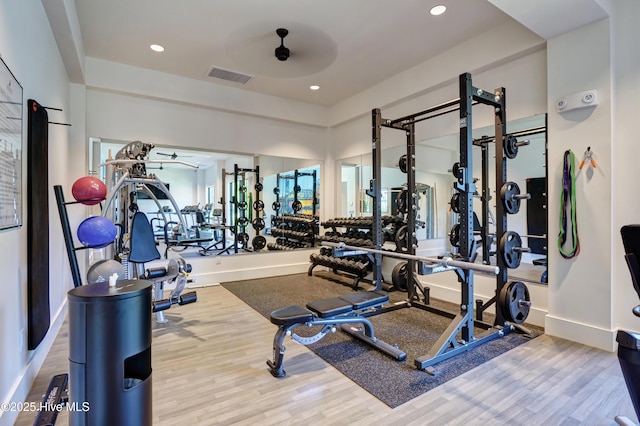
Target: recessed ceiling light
(157, 48)
(438, 10)
(314, 87)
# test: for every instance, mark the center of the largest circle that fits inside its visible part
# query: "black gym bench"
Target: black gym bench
(347, 309)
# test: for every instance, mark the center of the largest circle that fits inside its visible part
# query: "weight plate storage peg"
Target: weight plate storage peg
(515, 302)
(510, 196)
(402, 163)
(511, 249)
(399, 276)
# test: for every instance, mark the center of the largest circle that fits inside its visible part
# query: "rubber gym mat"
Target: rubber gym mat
(413, 330)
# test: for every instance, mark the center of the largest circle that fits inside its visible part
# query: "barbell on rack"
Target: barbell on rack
(444, 261)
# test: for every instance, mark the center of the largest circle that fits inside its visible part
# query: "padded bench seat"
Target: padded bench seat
(293, 314)
(331, 307)
(365, 299)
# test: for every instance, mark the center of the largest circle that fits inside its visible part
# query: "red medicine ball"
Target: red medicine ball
(89, 190)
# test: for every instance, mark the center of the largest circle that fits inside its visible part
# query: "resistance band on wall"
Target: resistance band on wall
(568, 207)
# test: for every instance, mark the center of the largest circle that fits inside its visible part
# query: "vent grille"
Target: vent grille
(223, 74)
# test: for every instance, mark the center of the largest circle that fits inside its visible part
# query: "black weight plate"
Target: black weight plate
(276, 190)
(402, 163)
(258, 186)
(243, 221)
(402, 201)
(454, 235)
(258, 205)
(399, 277)
(507, 195)
(401, 239)
(511, 300)
(509, 243)
(457, 173)
(259, 242)
(243, 188)
(296, 206)
(509, 147)
(242, 205)
(243, 238)
(455, 203)
(258, 223)
(275, 205)
(297, 188)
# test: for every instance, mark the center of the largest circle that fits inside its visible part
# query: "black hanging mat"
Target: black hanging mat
(413, 330)
(37, 224)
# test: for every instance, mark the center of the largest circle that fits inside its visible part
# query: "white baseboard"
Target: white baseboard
(582, 333)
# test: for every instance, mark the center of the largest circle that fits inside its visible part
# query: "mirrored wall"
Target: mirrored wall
(434, 218)
(226, 200)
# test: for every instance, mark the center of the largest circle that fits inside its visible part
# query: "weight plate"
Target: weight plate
(276, 190)
(243, 188)
(296, 206)
(402, 163)
(297, 188)
(399, 277)
(258, 186)
(258, 205)
(243, 238)
(258, 223)
(401, 239)
(508, 194)
(457, 173)
(509, 147)
(509, 245)
(243, 221)
(259, 242)
(242, 205)
(455, 203)
(275, 205)
(402, 201)
(454, 235)
(515, 302)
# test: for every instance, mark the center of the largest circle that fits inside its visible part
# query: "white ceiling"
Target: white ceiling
(344, 46)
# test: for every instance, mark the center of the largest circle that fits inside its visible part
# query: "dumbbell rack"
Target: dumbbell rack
(293, 231)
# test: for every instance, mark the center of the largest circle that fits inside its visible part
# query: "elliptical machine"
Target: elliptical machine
(629, 341)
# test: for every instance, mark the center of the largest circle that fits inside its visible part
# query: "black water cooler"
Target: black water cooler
(110, 354)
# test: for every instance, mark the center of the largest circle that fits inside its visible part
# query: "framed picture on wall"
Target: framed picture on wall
(10, 149)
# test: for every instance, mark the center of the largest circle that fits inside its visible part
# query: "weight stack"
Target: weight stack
(110, 354)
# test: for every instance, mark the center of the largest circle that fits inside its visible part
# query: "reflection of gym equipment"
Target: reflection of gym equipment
(295, 199)
(349, 309)
(629, 341)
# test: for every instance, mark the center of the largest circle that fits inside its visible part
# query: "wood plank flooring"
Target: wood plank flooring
(209, 369)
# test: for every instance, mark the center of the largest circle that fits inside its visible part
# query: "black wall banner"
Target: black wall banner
(37, 224)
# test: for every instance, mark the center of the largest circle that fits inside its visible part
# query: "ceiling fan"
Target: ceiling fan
(173, 156)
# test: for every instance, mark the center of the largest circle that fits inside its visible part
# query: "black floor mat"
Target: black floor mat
(413, 330)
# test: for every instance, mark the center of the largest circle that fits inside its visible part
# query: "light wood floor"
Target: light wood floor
(209, 369)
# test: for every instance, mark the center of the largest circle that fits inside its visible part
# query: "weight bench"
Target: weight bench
(352, 308)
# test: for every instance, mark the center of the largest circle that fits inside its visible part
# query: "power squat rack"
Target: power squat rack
(459, 335)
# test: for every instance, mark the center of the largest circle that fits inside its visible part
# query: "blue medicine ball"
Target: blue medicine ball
(96, 232)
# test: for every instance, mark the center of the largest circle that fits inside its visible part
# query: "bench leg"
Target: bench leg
(275, 366)
(313, 265)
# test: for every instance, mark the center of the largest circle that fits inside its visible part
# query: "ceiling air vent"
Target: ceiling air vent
(229, 75)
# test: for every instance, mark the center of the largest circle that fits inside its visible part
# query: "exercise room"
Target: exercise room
(264, 213)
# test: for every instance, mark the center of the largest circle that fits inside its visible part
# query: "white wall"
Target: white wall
(28, 47)
(580, 289)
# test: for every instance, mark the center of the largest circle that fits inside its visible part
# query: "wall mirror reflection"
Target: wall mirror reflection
(212, 203)
(435, 217)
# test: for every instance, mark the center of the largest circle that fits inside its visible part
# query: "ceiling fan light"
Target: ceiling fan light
(282, 53)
